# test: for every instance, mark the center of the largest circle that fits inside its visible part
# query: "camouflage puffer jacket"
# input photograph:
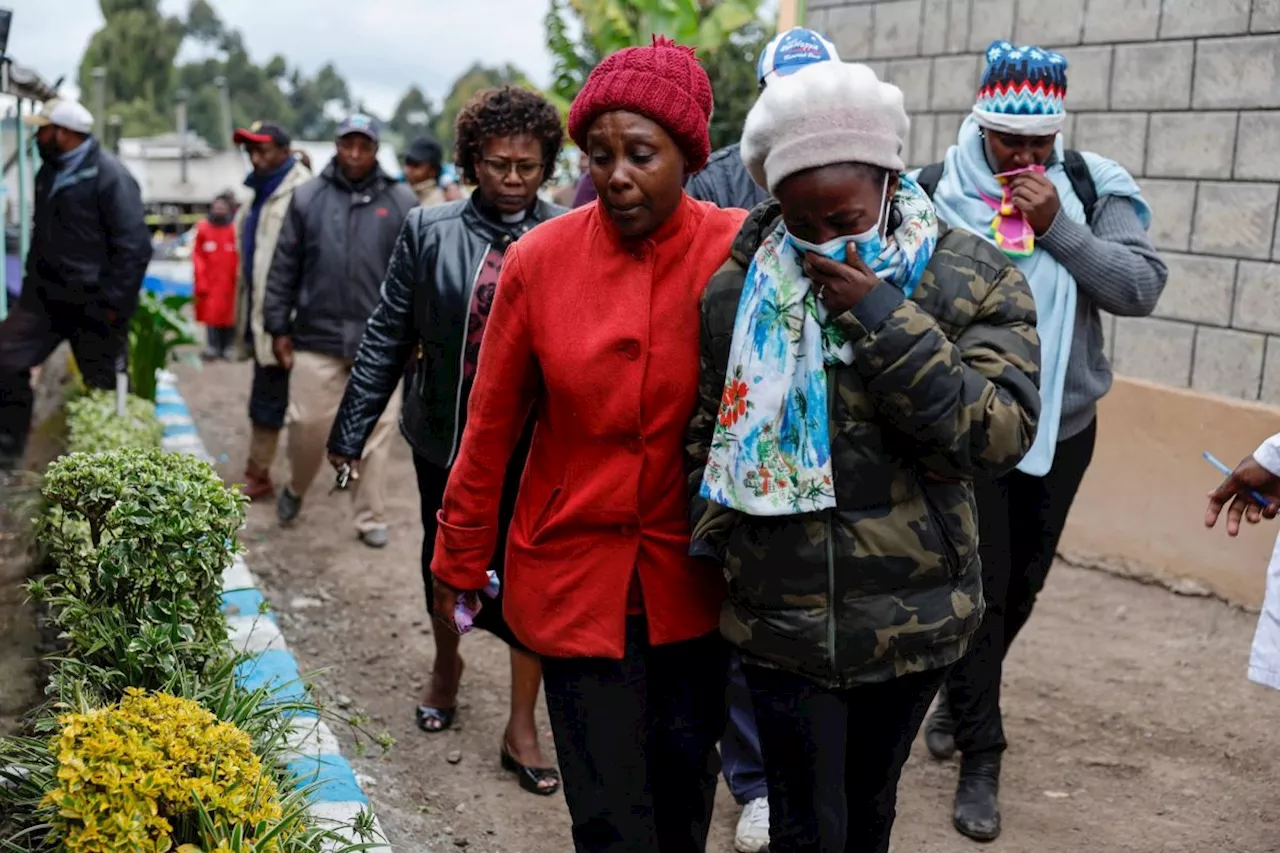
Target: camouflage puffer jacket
(943, 389)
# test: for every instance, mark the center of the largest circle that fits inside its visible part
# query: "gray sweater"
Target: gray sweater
(1117, 270)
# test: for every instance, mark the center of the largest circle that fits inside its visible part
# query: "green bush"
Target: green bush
(140, 539)
(156, 330)
(93, 425)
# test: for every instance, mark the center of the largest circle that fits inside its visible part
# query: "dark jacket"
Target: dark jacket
(331, 257)
(725, 182)
(90, 245)
(942, 389)
(425, 307)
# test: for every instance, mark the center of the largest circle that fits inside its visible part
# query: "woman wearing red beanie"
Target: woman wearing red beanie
(595, 325)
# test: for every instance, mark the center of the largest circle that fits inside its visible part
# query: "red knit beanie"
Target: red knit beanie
(664, 82)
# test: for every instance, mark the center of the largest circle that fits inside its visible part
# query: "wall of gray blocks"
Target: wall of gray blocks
(1185, 94)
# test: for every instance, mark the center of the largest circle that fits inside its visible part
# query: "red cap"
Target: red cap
(663, 82)
(262, 132)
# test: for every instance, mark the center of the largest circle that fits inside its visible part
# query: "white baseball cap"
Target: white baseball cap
(65, 114)
(788, 52)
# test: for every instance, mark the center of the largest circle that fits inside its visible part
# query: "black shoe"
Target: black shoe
(940, 730)
(977, 810)
(288, 505)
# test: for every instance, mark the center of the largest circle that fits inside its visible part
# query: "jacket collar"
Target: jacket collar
(502, 233)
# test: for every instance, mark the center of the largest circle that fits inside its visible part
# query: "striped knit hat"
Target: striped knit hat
(1023, 90)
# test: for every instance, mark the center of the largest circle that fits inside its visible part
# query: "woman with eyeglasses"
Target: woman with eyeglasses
(436, 299)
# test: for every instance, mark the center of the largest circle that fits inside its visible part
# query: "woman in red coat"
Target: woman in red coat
(215, 260)
(595, 327)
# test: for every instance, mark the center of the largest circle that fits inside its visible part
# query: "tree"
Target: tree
(314, 101)
(475, 79)
(732, 69)
(414, 115)
(138, 45)
(605, 26)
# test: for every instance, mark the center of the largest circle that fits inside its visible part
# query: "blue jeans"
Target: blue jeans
(740, 746)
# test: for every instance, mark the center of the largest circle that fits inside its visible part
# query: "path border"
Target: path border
(317, 757)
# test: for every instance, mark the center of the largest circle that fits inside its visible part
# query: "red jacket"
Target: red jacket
(603, 338)
(214, 259)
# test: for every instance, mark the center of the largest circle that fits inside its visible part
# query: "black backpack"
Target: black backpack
(1077, 173)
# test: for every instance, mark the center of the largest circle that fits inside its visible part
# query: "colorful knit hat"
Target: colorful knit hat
(1023, 90)
(664, 82)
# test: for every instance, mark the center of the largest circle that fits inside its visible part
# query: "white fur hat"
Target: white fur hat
(825, 113)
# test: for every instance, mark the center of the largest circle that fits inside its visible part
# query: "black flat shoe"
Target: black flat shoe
(977, 807)
(940, 730)
(531, 778)
(434, 720)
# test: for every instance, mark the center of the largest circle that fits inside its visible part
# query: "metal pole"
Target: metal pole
(4, 192)
(790, 14)
(224, 98)
(100, 100)
(24, 217)
(182, 134)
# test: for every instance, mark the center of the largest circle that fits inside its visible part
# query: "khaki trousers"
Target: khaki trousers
(317, 383)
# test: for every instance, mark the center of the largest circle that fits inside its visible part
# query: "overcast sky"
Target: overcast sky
(381, 49)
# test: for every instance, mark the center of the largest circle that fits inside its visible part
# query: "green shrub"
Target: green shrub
(93, 425)
(156, 330)
(140, 539)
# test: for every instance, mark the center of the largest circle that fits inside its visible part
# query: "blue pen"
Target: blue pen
(1217, 463)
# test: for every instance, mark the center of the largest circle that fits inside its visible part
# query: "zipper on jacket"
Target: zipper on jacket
(462, 359)
(831, 545)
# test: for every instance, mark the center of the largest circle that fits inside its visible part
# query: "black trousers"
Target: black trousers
(269, 396)
(28, 336)
(636, 739)
(219, 339)
(1020, 521)
(833, 758)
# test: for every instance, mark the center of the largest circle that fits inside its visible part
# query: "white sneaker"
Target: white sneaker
(753, 827)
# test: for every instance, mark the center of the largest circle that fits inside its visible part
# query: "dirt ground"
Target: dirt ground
(1131, 723)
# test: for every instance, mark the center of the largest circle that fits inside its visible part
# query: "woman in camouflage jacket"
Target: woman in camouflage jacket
(846, 525)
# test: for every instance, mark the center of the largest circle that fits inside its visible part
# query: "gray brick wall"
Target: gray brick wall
(1185, 94)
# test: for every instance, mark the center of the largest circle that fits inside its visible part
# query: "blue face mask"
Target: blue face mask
(870, 243)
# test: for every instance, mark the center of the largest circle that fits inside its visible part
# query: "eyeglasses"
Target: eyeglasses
(500, 168)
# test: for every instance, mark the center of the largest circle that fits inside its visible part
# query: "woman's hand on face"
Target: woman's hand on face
(1037, 198)
(840, 284)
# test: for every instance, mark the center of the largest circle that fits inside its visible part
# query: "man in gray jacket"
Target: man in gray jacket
(323, 285)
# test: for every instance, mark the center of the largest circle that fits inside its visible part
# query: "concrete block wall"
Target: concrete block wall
(1185, 94)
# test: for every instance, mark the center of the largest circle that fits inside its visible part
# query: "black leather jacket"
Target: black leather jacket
(423, 313)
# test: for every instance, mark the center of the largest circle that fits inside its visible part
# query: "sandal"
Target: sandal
(531, 778)
(434, 720)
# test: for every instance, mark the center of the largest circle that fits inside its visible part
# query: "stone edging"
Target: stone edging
(253, 628)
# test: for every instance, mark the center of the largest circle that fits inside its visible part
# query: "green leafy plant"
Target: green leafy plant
(157, 329)
(93, 424)
(140, 539)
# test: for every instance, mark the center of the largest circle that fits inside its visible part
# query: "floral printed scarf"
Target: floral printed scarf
(771, 450)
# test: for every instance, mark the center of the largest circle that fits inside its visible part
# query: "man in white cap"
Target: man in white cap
(89, 252)
(725, 182)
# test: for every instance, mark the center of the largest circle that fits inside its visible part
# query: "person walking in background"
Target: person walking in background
(1076, 225)
(324, 283)
(214, 272)
(1256, 476)
(90, 247)
(601, 344)
(725, 182)
(859, 366)
(435, 305)
(423, 162)
(276, 174)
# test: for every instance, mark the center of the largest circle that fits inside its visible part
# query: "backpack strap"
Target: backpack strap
(929, 177)
(1081, 181)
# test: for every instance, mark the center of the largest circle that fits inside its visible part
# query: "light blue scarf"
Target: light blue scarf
(771, 449)
(958, 198)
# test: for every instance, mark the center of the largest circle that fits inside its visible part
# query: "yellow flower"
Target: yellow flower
(130, 773)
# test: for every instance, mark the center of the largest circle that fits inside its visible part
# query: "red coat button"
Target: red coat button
(636, 445)
(628, 530)
(631, 349)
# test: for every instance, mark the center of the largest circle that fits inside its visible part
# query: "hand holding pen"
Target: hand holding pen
(1250, 492)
